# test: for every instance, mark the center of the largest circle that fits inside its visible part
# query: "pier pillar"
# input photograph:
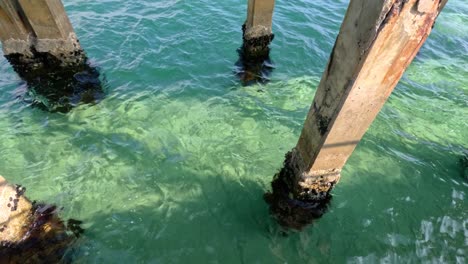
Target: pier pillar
(37, 34)
(39, 42)
(370, 55)
(257, 35)
(31, 232)
(15, 212)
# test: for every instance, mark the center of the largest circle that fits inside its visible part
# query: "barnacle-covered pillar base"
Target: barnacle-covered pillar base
(39, 42)
(254, 56)
(298, 197)
(31, 232)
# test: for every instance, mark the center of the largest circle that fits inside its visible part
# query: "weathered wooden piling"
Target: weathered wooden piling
(377, 41)
(39, 42)
(31, 232)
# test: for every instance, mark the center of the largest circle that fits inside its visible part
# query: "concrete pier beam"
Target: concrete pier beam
(31, 232)
(370, 55)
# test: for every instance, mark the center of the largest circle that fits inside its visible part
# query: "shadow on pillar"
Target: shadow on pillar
(290, 210)
(254, 64)
(58, 84)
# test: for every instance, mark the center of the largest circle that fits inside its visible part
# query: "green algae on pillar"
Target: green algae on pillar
(370, 55)
(257, 32)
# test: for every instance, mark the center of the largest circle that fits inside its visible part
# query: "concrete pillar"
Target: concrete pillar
(14, 34)
(370, 55)
(15, 213)
(257, 33)
(37, 33)
(254, 62)
(30, 232)
(39, 42)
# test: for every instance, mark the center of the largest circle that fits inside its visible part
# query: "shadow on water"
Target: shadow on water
(57, 88)
(170, 211)
(178, 227)
(464, 165)
(179, 224)
(209, 199)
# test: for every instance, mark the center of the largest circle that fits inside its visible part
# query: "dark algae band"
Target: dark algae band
(290, 209)
(58, 84)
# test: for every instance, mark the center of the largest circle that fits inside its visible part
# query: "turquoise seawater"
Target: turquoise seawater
(171, 166)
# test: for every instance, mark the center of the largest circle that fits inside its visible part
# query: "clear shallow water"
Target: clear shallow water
(172, 165)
